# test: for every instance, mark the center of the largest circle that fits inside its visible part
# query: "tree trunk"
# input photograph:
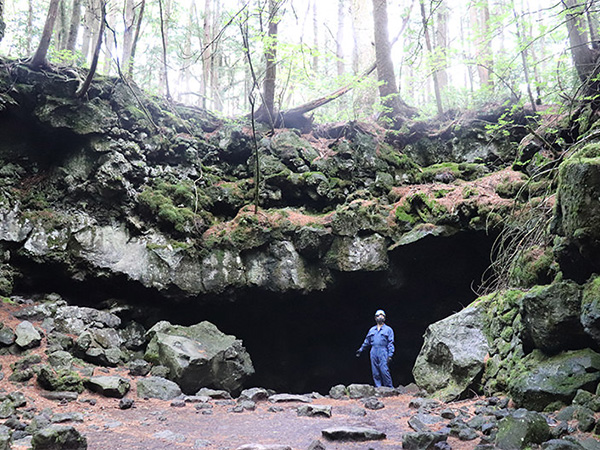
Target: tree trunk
(436, 84)
(2, 24)
(523, 51)
(28, 41)
(216, 62)
(206, 53)
(441, 45)
(584, 57)
(94, 64)
(96, 23)
(60, 27)
(164, 74)
(136, 36)
(315, 66)
(74, 26)
(266, 112)
(593, 24)
(339, 50)
(128, 32)
(39, 59)
(480, 20)
(394, 107)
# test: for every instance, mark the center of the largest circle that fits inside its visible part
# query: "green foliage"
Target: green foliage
(463, 171)
(419, 207)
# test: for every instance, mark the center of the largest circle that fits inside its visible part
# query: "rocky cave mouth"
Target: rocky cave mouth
(307, 342)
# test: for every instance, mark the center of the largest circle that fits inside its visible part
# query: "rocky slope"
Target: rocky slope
(123, 200)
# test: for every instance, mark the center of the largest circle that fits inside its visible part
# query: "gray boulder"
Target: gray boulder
(521, 429)
(561, 444)
(352, 434)
(284, 398)
(7, 336)
(551, 318)
(422, 440)
(590, 309)
(108, 386)
(338, 391)
(452, 355)
(76, 319)
(541, 380)
(160, 388)
(254, 394)
(314, 410)
(199, 355)
(58, 437)
(5, 437)
(360, 391)
(27, 336)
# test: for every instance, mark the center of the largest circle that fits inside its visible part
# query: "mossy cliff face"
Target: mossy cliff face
(122, 185)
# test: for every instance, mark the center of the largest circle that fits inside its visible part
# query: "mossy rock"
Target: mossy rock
(540, 380)
(590, 309)
(60, 380)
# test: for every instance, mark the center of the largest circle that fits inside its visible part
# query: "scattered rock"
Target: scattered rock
(27, 336)
(282, 398)
(58, 437)
(360, 391)
(314, 411)
(422, 440)
(338, 391)
(214, 393)
(263, 447)
(109, 386)
(254, 394)
(521, 429)
(160, 388)
(373, 403)
(352, 434)
(126, 403)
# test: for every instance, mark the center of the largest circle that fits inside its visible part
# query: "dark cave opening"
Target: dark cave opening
(307, 342)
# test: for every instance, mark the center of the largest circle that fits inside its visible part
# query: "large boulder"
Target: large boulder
(590, 309)
(452, 355)
(58, 437)
(551, 318)
(199, 355)
(578, 214)
(521, 429)
(542, 380)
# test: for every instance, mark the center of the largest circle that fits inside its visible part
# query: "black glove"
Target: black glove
(358, 352)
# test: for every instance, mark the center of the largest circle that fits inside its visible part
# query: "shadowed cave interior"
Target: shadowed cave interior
(307, 342)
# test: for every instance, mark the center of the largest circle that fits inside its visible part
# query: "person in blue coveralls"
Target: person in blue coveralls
(381, 340)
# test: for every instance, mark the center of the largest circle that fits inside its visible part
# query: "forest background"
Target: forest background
(221, 55)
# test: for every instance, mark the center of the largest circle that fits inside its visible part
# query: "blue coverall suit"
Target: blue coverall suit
(382, 348)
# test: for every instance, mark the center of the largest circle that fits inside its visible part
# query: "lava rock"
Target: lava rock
(284, 398)
(108, 386)
(360, 391)
(58, 437)
(254, 394)
(126, 403)
(337, 392)
(373, 403)
(160, 388)
(521, 429)
(352, 434)
(422, 441)
(314, 411)
(27, 336)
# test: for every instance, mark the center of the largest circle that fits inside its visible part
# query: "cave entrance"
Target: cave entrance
(307, 342)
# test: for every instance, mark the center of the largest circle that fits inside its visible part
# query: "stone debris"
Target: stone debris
(352, 434)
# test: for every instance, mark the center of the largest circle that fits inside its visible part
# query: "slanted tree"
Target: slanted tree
(136, 36)
(39, 59)
(436, 83)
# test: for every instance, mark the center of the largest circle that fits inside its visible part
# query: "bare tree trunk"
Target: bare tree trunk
(74, 25)
(442, 45)
(268, 105)
(2, 24)
(164, 75)
(480, 19)
(128, 32)
(584, 57)
(436, 85)
(523, 53)
(60, 27)
(96, 22)
(88, 24)
(207, 53)
(339, 50)
(592, 20)
(315, 37)
(185, 75)
(216, 62)
(388, 92)
(39, 59)
(88, 80)
(111, 19)
(28, 41)
(138, 27)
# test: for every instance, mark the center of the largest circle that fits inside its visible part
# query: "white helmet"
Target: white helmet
(380, 312)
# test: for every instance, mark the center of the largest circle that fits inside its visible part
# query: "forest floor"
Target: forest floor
(153, 424)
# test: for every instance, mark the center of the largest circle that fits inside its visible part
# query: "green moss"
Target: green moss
(463, 171)
(419, 207)
(469, 192)
(534, 266)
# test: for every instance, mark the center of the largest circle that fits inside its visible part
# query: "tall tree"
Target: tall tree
(267, 110)
(394, 107)
(40, 57)
(82, 91)
(136, 37)
(441, 44)
(584, 56)
(74, 25)
(480, 22)
(436, 83)
(164, 8)
(523, 51)
(339, 49)
(2, 24)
